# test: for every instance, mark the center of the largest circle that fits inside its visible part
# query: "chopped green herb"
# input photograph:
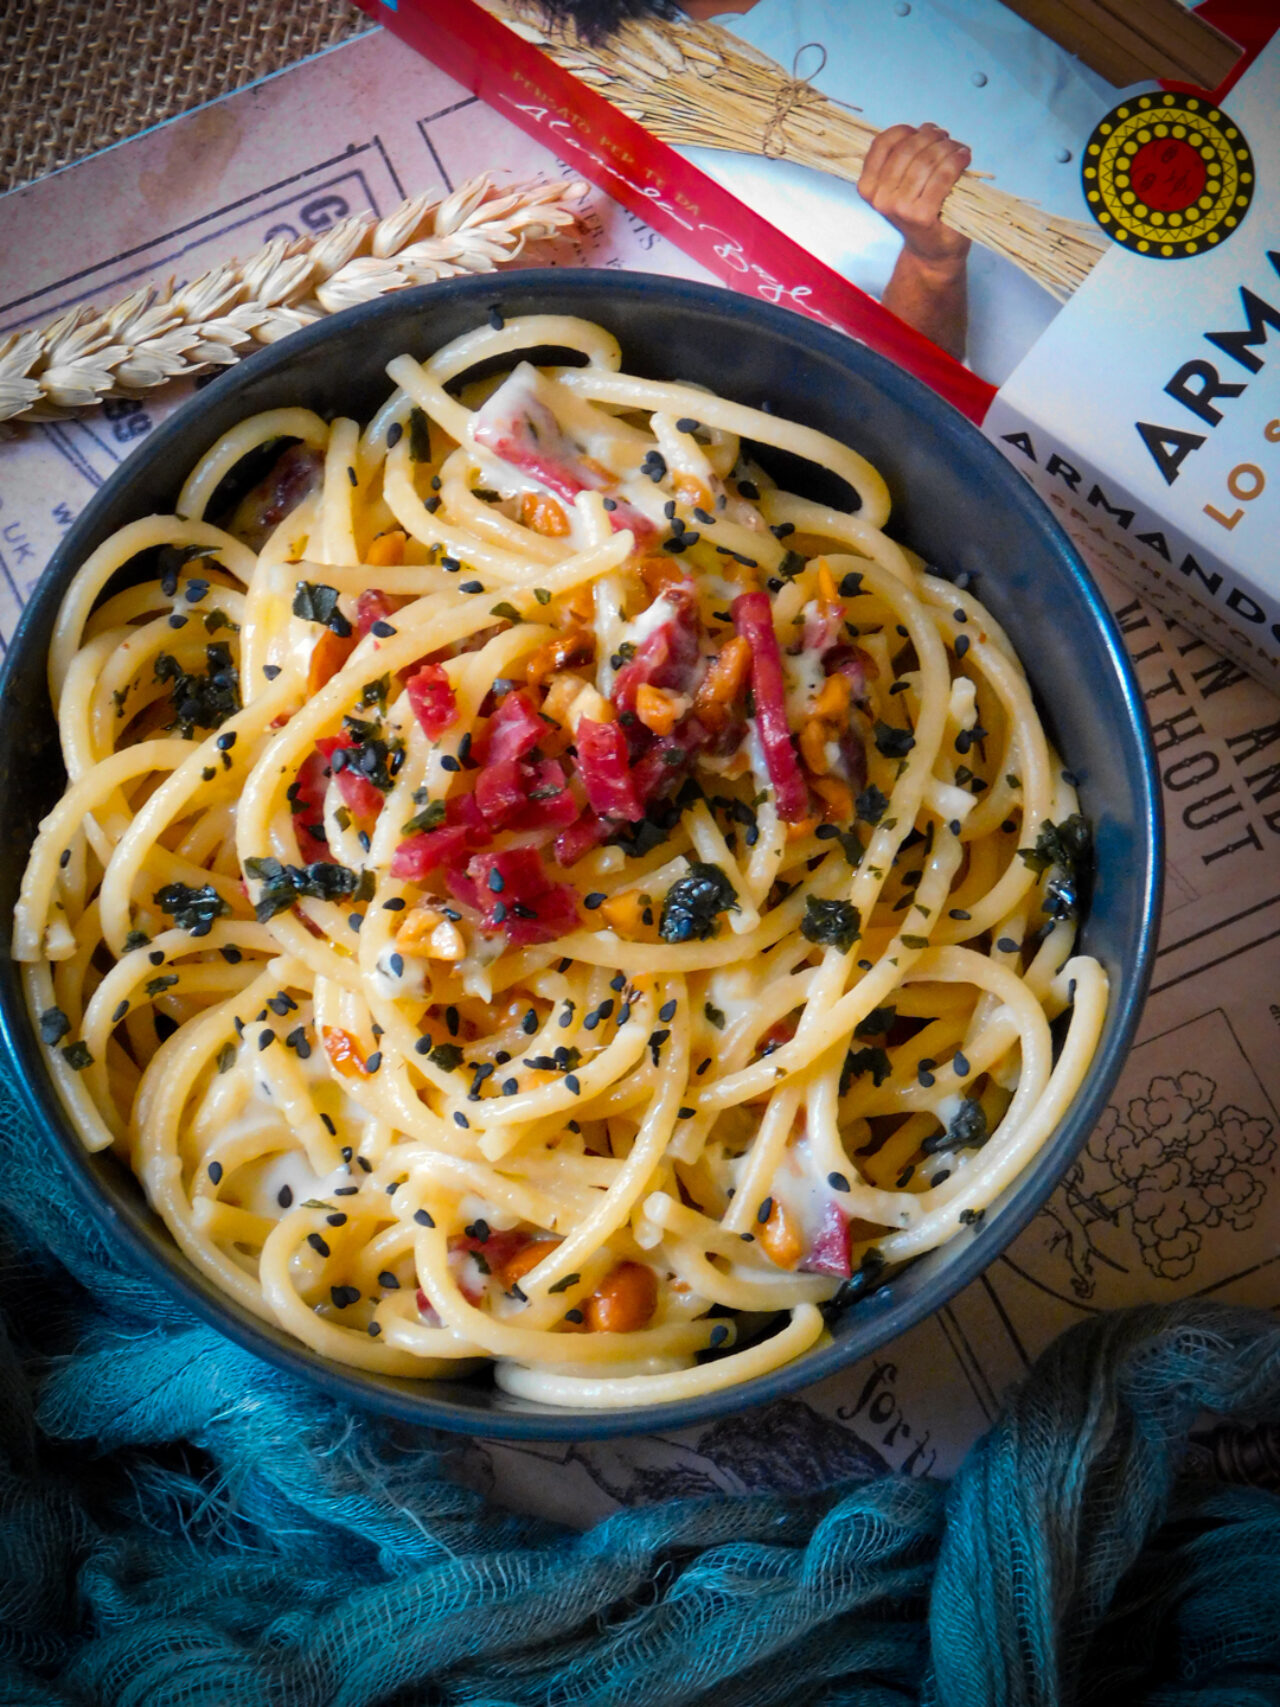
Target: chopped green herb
(1063, 850)
(430, 818)
(54, 1026)
(893, 743)
(77, 1056)
(226, 1057)
(201, 701)
(192, 910)
(419, 436)
(831, 924)
(871, 805)
(693, 903)
(860, 1061)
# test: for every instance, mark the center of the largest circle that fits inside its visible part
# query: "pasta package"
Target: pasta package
(532, 892)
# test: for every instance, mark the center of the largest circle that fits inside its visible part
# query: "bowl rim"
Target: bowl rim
(883, 1316)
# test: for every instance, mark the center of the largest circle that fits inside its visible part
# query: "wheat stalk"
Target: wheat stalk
(699, 85)
(158, 334)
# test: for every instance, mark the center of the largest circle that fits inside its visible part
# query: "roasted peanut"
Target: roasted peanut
(624, 1301)
(836, 797)
(724, 681)
(387, 550)
(575, 647)
(328, 655)
(832, 701)
(813, 745)
(544, 515)
(781, 1237)
(524, 1261)
(344, 1054)
(659, 710)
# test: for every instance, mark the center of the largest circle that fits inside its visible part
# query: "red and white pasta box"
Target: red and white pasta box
(1120, 351)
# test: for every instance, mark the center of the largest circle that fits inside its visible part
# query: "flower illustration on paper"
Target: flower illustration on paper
(1170, 1166)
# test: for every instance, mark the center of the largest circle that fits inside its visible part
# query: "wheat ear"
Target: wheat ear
(158, 334)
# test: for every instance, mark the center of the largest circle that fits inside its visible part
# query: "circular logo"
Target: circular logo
(1168, 176)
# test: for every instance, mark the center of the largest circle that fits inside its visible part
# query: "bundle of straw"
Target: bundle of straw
(156, 335)
(698, 85)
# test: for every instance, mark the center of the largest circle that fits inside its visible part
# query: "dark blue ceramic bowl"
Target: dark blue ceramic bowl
(955, 501)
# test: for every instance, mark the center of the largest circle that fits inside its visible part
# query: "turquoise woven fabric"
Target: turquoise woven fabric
(181, 1526)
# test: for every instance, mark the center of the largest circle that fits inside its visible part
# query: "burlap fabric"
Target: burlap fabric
(78, 75)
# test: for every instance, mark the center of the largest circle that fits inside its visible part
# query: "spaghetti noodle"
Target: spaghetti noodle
(530, 889)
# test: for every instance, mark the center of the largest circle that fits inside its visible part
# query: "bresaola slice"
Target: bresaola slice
(753, 619)
(604, 764)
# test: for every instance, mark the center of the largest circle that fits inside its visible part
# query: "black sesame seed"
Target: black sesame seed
(215, 1172)
(765, 1211)
(284, 1197)
(337, 1219)
(961, 1065)
(939, 1177)
(383, 630)
(317, 1244)
(395, 432)
(667, 1011)
(355, 920)
(837, 1182)
(388, 1282)
(594, 900)
(271, 671)
(1007, 945)
(719, 1334)
(156, 957)
(449, 763)
(266, 1038)
(374, 1061)
(571, 1081)
(460, 1119)
(396, 964)
(424, 1218)
(122, 1009)
(329, 1127)
(226, 741)
(959, 913)
(962, 645)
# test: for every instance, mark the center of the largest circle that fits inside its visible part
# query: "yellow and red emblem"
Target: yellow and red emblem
(1168, 176)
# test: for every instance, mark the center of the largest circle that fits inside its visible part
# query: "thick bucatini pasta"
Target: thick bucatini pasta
(530, 889)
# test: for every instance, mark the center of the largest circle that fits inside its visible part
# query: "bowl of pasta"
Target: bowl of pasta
(581, 853)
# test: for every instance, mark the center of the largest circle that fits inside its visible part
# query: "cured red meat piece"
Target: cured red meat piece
(418, 856)
(753, 619)
(585, 833)
(514, 895)
(831, 1250)
(307, 799)
(432, 699)
(359, 795)
(604, 765)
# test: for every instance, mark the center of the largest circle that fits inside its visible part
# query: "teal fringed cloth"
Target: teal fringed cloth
(182, 1526)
